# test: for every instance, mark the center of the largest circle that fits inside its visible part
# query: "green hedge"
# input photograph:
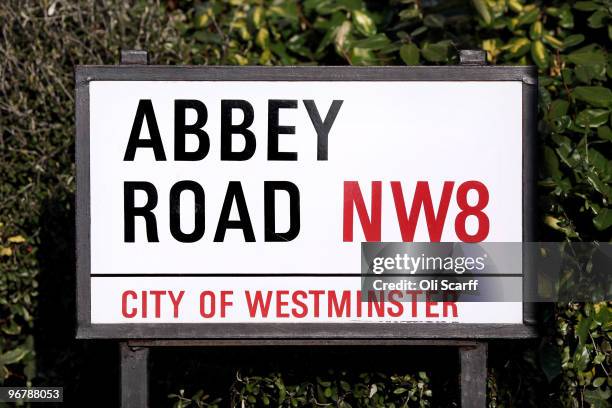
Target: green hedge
(334, 388)
(41, 42)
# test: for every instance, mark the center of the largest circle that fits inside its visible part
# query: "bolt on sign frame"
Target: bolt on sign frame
(309, 333)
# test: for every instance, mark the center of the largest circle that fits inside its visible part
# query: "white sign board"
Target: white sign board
(245, 201)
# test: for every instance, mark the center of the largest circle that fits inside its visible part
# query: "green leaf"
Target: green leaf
(597, 19)
(201, 18)
(581, 358)
(434, 20)
(241, 60)
(374, 42)
(341, 36)
(362, 56)
(436, 52)
(4, 372)
(604, 132)
(589, 55)
(603, 220)
(558, 108)
(594, 95)
(285, 10)
(586, 6)
(599, 358)
(30, 369)
(206, 37)
(351, 5)
(600, 162)
(598, 382)
(12, 328)
(551, 163)
(483, 10)
(364, 23)
(330, 6)
(566, 18)
(257, 16)
(573, 40)
(263, 38)
(409, 13)
(529, 17)
(582, 330)
(410, 54)
(13, 356)
(592, 117)
(399, 390)
(539, 54)
(552, 41)
(598, 398)
(418, 31)
(535, 31)
(550, 360)
(587, 73)
(518, 46)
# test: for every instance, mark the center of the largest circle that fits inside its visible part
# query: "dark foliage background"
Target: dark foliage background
(42, 40)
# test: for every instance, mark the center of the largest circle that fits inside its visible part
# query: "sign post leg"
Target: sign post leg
(474, 375)
(134, 376)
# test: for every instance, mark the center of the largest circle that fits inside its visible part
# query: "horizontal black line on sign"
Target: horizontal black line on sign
(281, 275)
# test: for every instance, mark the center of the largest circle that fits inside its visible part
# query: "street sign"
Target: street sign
(231, 202)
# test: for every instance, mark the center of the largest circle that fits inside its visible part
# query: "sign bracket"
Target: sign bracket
(134, 375)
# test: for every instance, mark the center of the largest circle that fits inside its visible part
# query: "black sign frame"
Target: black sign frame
(313, 333)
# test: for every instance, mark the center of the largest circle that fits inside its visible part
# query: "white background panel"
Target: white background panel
(387, 131)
